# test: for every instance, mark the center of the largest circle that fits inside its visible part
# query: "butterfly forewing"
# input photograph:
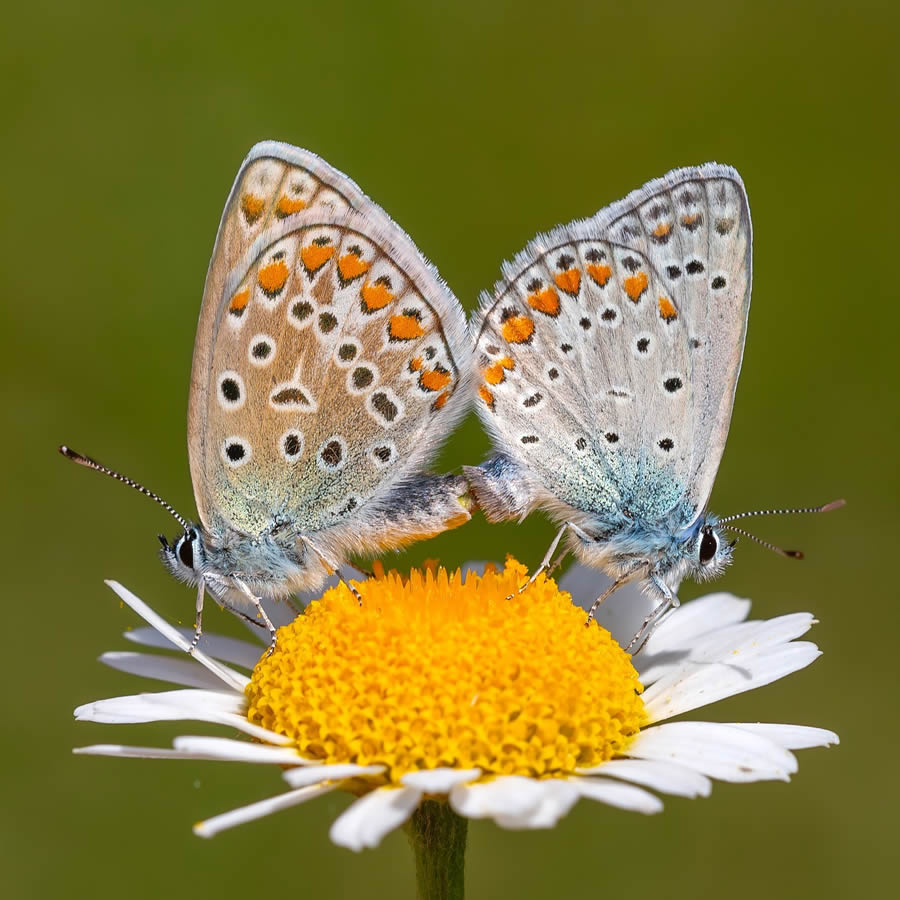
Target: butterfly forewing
(334, 358)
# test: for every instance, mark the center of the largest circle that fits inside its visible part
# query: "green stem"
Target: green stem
(437, 836)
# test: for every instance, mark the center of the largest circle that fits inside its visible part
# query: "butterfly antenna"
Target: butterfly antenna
(835, 504)
(89, 463)
(790, 554)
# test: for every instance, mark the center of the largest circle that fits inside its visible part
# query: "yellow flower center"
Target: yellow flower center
(439, 671)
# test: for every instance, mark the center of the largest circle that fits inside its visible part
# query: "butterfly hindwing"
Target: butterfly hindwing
(627, 329)
(334, 361)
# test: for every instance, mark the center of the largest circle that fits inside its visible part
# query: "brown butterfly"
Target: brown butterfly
(330, 363)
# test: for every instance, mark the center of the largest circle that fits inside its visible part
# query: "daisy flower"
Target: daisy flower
(442, 694)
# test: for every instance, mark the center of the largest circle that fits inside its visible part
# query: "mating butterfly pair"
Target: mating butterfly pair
(331, 361)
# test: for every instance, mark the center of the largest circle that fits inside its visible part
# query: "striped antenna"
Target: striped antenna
(828, 507)
(89, 463)
(790, 554)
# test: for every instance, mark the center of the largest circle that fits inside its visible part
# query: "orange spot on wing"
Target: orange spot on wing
(287, 206)
(252, 207)
(486, 396)
(687, 221)
(239, 301)
(440, 401)
(405, 328)
(271, 278)
(376, 296)
(416, 363)
(568, 281)
(636, 285)
(518, 329)
(545, 301)
(496, 374)
(351, 266)
(433, 380)
(600, 274)
(315, 256)
(667, 309)
(662, 230)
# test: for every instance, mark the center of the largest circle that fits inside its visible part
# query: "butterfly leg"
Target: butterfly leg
(260, 611)
(545, 565)
(332, 568)
(613, 587)
(651, 623)
(198, 618)
(352, 588)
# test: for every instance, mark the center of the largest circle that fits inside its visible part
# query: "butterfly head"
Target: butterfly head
(185, 557)
(709, 551)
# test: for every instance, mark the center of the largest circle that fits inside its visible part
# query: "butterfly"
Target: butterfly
(609, 356)
(330, 363)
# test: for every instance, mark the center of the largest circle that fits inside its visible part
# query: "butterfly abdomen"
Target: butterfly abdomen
(500, 488)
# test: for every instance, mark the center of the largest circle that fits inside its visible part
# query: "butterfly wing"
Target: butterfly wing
(588, 350)
(330, 361)
(694, 226)
(576, 349)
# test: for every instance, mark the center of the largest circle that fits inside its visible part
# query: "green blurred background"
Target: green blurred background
(475, 124)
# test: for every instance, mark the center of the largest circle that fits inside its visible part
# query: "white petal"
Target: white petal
(682, 628)
(737, 659)
(226, 649)
(708, 613)
(713, 681)
(127, 752)
(164, 668)
(213, 826)
(371, 817)
(719, 751)
(229, 676)
(614, 793)
(159, 707)
(666, 777)
(313, 774)
(514, 801)
(192, 748)
(620, 614)
(200, 706)
(791, 737)
(230, 750)
(439, 781)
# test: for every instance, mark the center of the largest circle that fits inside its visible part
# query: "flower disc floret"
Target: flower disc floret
(437, 670)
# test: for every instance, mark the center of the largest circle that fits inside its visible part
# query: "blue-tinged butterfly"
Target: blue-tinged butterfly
(609, 355)
(330, 363)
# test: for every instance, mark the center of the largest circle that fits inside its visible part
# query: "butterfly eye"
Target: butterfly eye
(709, 545)
(186, 549)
